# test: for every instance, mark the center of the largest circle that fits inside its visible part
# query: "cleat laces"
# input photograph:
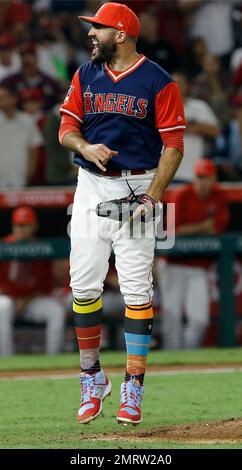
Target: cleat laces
(87, 387)
(131, 394)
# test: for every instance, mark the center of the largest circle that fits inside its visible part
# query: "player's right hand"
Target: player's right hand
(98, 154)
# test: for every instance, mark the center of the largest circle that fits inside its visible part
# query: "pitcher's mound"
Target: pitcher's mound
(212, 432)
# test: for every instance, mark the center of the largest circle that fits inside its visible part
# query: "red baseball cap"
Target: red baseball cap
(118, 16)
(24, 216)
(205, 167)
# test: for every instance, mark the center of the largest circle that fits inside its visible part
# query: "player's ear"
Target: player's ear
(121, 36)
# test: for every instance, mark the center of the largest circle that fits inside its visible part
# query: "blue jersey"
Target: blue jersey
(127, 111)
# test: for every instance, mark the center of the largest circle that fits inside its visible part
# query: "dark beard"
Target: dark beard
(106, 54)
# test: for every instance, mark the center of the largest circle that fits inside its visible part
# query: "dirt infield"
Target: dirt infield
(226, 431)
(176, 368)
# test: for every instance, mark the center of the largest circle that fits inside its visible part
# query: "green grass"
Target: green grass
(117, 358)
(41, 413)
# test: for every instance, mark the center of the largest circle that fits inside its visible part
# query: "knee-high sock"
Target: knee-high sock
(88, 319)
(138, 330)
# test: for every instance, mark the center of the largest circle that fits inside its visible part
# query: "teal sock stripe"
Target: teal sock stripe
(137, 345)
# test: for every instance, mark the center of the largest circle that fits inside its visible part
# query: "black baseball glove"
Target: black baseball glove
(128, 208)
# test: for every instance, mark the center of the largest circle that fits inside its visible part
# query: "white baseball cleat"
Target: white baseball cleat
(94, 389)
(131, 395)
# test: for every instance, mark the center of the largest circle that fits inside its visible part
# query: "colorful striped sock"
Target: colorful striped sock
(138, 330)
(88, 319)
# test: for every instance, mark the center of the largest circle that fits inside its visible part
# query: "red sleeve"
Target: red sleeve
(169, 111)
(222, 213)
(68, 124)
(174, 139)
(73, 103)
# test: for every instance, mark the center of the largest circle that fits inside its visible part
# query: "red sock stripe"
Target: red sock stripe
(88, 338)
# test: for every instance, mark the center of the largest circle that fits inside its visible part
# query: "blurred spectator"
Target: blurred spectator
(214, 86)
(170, 20)
(52, 48)
(16, 16)
(31, 77)
(202, 127)
(227, 151)
(75, 6)
(60, 169)
(237, 87)
(76, 33)
(19, 139)
(31, 101)
(25, 288)
(237, 79)
(201, 209)
(211, 20)
(193, 60)
(9, 59)
(236, 59)
(153, 46)
(14, 13)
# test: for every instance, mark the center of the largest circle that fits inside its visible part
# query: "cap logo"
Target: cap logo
(120, 24)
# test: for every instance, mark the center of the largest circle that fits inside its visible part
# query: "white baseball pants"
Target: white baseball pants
(41, 309)
(93, 238)
(183, 289)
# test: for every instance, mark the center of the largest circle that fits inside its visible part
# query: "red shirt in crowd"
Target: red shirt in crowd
(190, 209)
(20, 278)
(14, 12)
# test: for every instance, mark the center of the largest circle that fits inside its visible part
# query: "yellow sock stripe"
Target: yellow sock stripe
(93, 307)
(89, 337)
(138, 344)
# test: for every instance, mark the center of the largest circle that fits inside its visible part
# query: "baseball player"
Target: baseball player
(123, 118)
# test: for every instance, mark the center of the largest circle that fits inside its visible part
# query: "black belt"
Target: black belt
(118, 172)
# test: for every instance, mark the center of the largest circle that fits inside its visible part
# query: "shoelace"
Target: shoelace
(131, 394)
(131, 197)
(87, 387)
